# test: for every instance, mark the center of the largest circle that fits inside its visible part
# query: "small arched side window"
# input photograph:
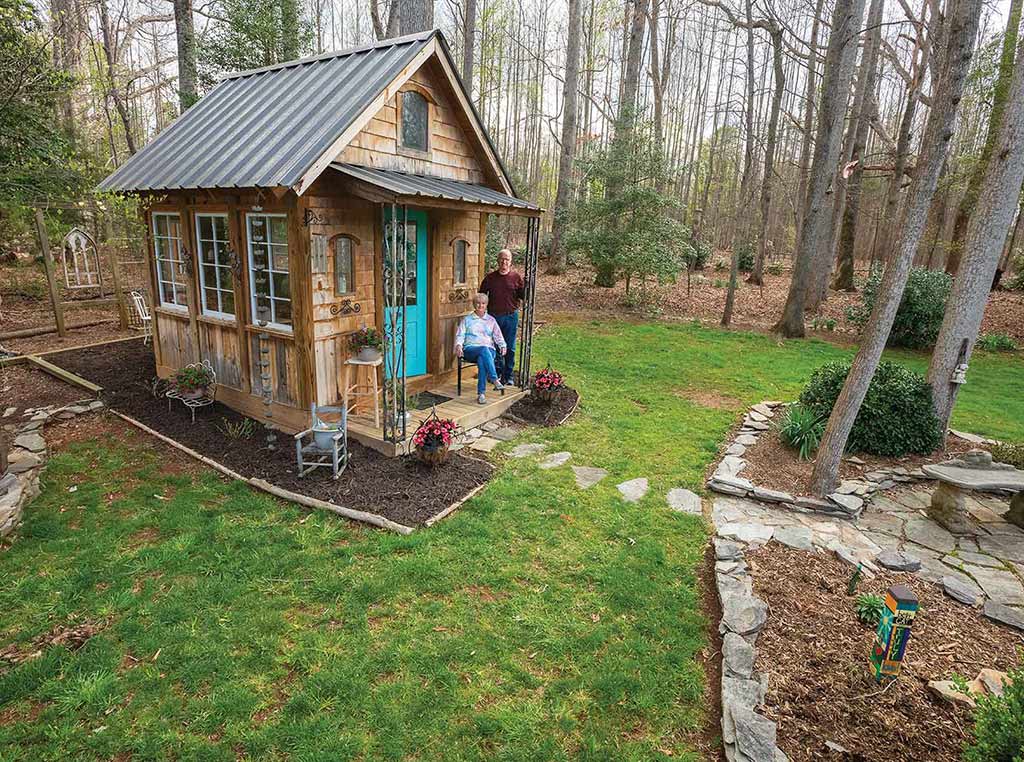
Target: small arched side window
(415, 121)
(460, 248)
(344, 265)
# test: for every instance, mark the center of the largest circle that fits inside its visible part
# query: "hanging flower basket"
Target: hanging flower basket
(547, 383)
(433, 439)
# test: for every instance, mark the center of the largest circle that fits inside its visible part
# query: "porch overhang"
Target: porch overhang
(393, 187)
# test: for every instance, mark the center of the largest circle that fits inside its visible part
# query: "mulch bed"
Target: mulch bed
(772, 464)
(400, 489)
(815, 653)
(532, 410)
(22, 388)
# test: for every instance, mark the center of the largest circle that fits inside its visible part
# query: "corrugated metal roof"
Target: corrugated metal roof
(266, 127)
(428, 186)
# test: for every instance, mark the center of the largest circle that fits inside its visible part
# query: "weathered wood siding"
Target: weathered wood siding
(452, 154)
(176, 342)
(218, 342)
(450, 300)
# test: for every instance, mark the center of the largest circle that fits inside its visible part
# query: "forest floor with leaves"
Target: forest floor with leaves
(756, 309)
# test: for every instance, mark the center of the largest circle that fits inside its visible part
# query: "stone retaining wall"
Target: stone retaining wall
(27, 458)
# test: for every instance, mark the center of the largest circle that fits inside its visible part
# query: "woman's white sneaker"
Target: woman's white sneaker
(481, 399)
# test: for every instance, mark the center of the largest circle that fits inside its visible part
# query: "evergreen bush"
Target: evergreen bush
(999, 725)
(896, 417)
(920, 313)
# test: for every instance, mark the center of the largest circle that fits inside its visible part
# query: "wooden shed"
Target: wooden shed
(298, 203)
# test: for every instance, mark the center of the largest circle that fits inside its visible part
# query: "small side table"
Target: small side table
(190, 402)
(357, 389)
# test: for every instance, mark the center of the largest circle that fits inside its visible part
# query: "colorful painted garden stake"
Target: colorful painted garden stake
(893, 632)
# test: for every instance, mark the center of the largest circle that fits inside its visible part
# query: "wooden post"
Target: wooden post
(44, 245)
(115, 270)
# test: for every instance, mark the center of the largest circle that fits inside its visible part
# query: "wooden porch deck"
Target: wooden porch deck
(463, 410)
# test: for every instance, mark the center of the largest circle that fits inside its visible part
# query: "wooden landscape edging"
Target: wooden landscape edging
(454, 506)
(63, 375)
(25, 333)
(265, 486)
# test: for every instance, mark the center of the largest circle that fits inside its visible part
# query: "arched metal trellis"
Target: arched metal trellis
(81, 260)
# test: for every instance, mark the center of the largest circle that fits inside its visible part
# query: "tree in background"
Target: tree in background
(633, 232)
(36, 160)
(185, 34)
(952, 72)
(563, 196)
(415, 15)
(983, 246)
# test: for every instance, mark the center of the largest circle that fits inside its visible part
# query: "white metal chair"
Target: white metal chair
(142, 315)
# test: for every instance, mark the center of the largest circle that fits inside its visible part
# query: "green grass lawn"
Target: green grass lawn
(539, 622)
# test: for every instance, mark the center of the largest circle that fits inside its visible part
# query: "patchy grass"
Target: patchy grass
(539, 622)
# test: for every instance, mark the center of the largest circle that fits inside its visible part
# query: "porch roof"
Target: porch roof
(402, 187)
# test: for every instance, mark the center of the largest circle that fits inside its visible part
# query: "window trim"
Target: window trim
(429, 101)
(281, 327)
(333, 244)
(216, 263)
(455, 261)
(182, 271)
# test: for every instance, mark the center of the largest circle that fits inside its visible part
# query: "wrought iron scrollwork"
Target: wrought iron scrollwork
(458, 295)
(526, 323)
(394, 220)
(309, 217)
(347, 307)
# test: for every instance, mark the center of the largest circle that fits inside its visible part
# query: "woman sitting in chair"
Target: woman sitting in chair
(477, 340)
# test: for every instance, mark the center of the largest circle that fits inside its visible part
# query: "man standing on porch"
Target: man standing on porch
(505, 289)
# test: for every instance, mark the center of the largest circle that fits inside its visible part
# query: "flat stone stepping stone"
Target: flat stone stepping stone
(633, 490)
(683, 500)
(1001, 586)
(526, 450)
(960, 589)
(31, 442)
(1004, 615)
(484, 444)
(975, 559)
(505, 433)
(798, 538)
(555, 459)
(926, 532)
(897, 561)
(747, 531)
(746, 440)
(588, 476)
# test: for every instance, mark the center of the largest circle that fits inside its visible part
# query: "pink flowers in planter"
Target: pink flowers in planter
(547, 380)
(435, 432)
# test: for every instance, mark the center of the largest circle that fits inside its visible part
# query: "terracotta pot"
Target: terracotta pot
(368, 354)
(432, 456)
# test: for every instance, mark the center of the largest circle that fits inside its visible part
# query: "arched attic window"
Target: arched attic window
(460, 256)
(344, 247)
(415, 121)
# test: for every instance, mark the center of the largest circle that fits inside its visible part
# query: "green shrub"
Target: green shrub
(696, 253)
(869, 608)
(722, 264)
(801, 428)
(998, 734)
(996, 342)
(1016, 282)
(920, 313)
(1009, 452)
(775, 268)
(896, 417)
(746, 257)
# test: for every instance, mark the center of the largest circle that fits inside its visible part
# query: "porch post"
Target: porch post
(530, 276)
(394, 280)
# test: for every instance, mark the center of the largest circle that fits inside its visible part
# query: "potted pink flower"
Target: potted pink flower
(546, 384)
(367, 344)
(433, 439)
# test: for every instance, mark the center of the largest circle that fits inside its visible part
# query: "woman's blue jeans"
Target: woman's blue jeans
(484, 359)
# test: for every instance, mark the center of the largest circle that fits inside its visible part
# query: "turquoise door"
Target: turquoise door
(416, 294)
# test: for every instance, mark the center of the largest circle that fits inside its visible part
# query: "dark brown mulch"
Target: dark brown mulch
(815, 651)
(22, 388)
(532, 410)
(772, 464)
(400, 489)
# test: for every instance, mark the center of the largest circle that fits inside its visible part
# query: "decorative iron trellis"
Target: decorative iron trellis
(81, 260)
(526, 324)
(395, 265)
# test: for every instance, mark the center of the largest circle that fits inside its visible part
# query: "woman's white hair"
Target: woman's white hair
(480, 297)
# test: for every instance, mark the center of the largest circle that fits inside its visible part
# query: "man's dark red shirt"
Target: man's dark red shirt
(504, 292)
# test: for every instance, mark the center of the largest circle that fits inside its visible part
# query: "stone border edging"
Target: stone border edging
(27, 458)
(846, 502)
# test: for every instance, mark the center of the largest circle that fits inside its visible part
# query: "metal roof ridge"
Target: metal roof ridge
(391, 42)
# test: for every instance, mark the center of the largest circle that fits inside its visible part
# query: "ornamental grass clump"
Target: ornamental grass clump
(869, 608)
(801, 428)
(896, 417)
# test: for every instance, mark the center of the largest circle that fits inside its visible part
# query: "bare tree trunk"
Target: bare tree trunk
(815, 234)
(563, 195)
(115, 94)
(986, 235)
(864, 101)
(999, 101)
(415, 15)
(186, 36)
(468, 46)
(806, 144)
(757, 276)
(952, 73)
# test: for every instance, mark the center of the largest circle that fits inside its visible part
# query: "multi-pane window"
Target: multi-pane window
(415, 121)
(344, 265)
(460, 261)
(170, 260)
(268, 269)
(215, 275)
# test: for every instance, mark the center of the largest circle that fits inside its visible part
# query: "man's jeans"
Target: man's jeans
(484, 359)
(508, 324)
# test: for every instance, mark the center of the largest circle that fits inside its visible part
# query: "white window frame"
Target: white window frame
(216, 263)
(178, 276)
(253, 297)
